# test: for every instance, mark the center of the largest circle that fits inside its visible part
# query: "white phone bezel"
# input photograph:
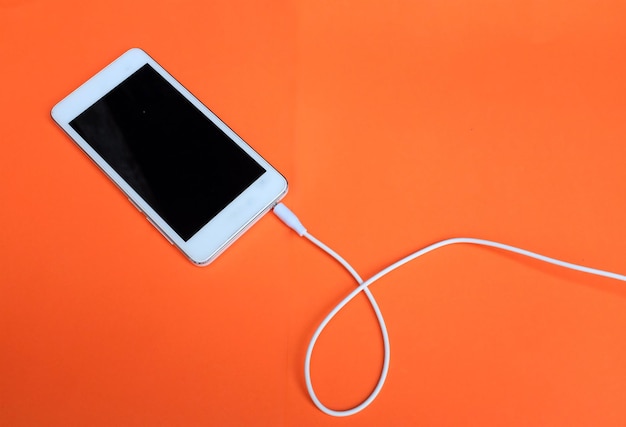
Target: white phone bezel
(226, 226)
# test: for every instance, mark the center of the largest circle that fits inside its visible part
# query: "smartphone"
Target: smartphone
(194, 178)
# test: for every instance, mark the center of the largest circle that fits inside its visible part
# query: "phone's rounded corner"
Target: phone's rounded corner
(202, 263)
(57, 115)
(195, 260)
(136, 51)
(285, 188)
(54, 113)
(205, 261)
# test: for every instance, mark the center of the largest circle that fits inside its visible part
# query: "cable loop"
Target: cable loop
(290, 219)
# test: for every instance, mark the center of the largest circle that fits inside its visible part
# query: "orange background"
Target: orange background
(397, 124)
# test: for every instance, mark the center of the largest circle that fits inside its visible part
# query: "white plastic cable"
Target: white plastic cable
(289, 218)
(383, 331)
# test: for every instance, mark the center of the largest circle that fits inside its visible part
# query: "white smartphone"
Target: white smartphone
(194, 178)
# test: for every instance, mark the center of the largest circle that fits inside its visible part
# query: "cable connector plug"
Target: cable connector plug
(289, 218)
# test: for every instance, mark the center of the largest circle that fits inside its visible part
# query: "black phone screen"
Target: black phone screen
(182, 164)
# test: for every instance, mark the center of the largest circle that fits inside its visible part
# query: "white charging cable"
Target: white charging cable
(294, 223)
